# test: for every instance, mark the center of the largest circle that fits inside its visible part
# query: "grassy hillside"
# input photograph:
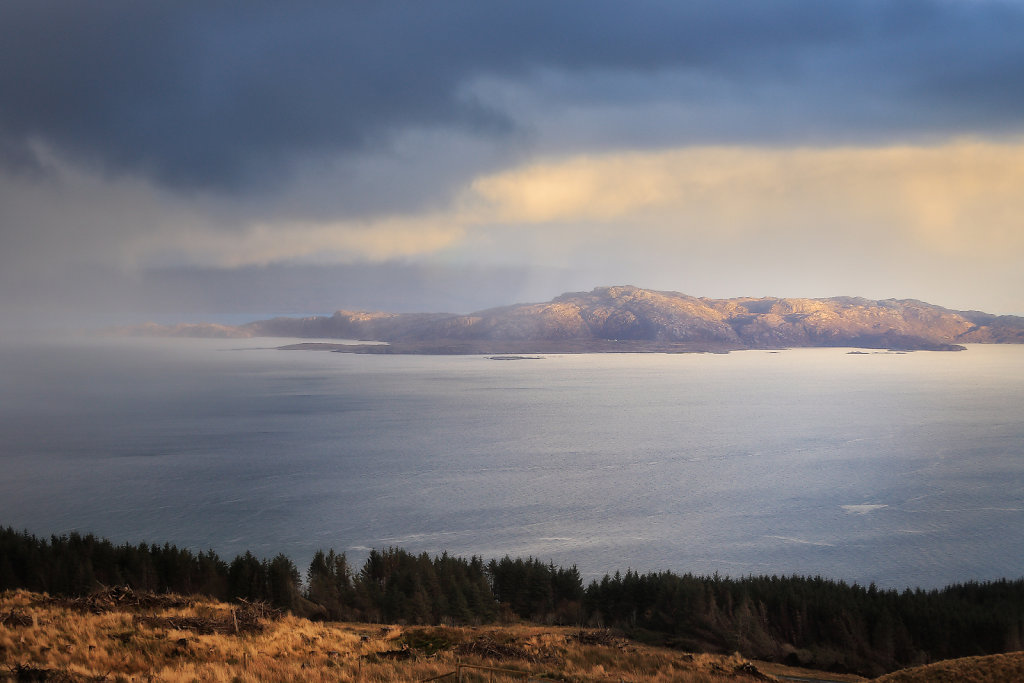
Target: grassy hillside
(989, 669)
(797, 621)
(119, 635)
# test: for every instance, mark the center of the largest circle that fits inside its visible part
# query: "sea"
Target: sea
(898, 469)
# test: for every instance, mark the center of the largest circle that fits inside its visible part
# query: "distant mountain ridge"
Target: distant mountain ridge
(630, 318)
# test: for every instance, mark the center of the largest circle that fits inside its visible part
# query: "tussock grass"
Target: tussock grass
(169, 638)
(988, 669)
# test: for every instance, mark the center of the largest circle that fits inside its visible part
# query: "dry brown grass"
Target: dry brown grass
(1006, 668)
(775, 669)
(173, 640)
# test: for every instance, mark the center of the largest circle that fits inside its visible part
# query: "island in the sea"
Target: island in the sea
(631, 319)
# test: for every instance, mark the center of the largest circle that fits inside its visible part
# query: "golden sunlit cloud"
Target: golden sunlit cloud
(961, 198)
(261, 244)
(962, 195)
(958, 198)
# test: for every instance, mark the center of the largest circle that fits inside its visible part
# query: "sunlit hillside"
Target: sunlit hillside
(120, 635)
(987, 669)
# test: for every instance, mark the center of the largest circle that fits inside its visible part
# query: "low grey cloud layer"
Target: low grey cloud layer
(607, 141)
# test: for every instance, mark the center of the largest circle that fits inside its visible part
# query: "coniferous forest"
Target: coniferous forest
(809, 621)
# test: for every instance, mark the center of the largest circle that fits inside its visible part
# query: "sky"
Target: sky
(218, 160)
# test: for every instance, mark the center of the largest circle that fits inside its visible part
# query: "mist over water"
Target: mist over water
(902, 469)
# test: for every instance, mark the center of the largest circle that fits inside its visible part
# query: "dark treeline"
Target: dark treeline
(808, 621)
(814, 621)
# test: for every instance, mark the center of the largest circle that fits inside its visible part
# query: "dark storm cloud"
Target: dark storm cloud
(228, 96)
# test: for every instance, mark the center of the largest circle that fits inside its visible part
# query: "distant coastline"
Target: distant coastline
(629, 319)
(514, 348)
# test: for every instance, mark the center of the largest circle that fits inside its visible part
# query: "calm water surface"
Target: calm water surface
(902, 469)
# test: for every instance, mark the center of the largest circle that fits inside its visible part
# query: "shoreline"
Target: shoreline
(531, 348)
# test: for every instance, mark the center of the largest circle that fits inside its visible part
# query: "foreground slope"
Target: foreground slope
(1003, 668)
(121, 635)
(125, 636)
